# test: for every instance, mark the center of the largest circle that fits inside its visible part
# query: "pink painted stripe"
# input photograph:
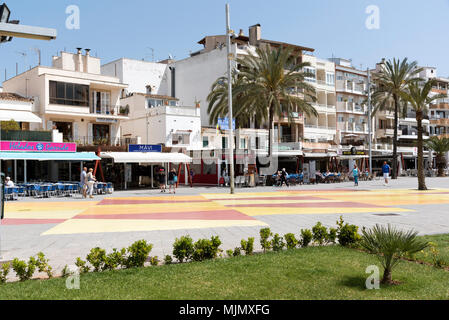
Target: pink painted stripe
(321, 190)
(273, 198)
(200, 215)
(119, 201)
(17, 222)
(309, 205)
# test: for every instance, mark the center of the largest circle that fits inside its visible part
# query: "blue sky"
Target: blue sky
(113, 29)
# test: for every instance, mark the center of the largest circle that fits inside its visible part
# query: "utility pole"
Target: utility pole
(230, 57)
(369, 124)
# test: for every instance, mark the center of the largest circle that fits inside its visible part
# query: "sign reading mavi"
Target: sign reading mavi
(144, 148)
(37, 146)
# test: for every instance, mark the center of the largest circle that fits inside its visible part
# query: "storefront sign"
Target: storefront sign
(18, 146)
(354, 152)
(144, 148)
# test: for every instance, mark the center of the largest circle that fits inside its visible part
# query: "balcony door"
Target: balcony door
(101, 102)
(101, 134)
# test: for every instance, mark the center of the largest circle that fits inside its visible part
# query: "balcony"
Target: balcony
(439, 121)
(101, 141)
(324, 108)
(440, 106)
(167, 110)
(19, 135)
(109, 110)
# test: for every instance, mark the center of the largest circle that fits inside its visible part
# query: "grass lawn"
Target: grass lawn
(442, 245)
(312, 273)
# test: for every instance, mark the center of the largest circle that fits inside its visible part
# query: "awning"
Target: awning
(347, 157)
(48, 156)
(288, 153)
(317, 155)
(19, 116)
(146, 157)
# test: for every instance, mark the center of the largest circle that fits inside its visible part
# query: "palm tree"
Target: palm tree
(390, 245)
(218, 102)
(418, 95)
(392, 80)
(274, 80)
(440, 146)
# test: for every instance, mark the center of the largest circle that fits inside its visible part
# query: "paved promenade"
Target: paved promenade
(66, 228)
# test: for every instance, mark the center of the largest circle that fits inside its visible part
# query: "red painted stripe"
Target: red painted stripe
(309, 205)
(200, 215)
(321, 190)
(17, 222)
(131, 201)
(274, 198)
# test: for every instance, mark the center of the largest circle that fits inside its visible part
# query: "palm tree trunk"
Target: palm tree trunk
(387, 279)
(395, 137)
(270, 132)
(421, 176)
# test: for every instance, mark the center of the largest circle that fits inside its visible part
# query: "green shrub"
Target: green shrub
(277, 243)
(319, 233)
(138, 253)
(347, 234)
(265, 234)
(115, 259)
(168, 259)
(229, 252)
(23, 270)
(4, 272)
(247, 246)
(290, 240)
(437, 260)
(97, 259)
(82, 265)
(205, 249)
(390, 246)
(306, 237)
(183, 248)
(65, 271)
(43, 266)
(331, 235)
(237, 252)
(154, 261)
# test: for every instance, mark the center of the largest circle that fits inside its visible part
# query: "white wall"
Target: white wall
(138, 74)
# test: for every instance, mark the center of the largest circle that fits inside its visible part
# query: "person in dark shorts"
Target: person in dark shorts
(172, 180)
(161, 179)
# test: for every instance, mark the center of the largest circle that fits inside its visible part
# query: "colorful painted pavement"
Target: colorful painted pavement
(208, 210)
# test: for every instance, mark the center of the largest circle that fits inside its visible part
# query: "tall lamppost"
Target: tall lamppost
(230, 57)
(370, 129)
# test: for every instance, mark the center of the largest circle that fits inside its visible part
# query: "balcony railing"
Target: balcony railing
(101, 141)
(18, 135)
(109, 110)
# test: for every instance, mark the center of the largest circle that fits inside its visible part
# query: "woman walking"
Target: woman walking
(355, 173)
(90, 182)
(162, 179)
(172, 180)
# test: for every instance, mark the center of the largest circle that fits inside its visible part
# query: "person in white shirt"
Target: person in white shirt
(90, 182)
(8, 182)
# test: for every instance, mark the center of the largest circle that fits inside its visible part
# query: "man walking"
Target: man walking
(83, 181)
(284, 176)
(355, 174)
(386, 172)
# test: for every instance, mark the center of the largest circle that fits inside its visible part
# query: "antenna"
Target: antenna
(38, 51)
(24, 55)
(152, 54)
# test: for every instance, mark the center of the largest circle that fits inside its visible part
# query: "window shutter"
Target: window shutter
(90, 133)
(49, 125)
(75, 131)
(113, 134)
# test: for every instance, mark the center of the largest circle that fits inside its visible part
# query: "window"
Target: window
(341, 119)
(69, 94)
(330, 78)
(312, 71)
(242, 143)
(181, 138)
(224, 142)
(152, 103)
(172, 103)
(351, 120)
(205, 142)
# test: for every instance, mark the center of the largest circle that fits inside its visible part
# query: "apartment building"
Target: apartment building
(73, 97)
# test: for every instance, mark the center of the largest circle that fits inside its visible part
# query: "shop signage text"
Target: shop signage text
(144, 148)
(37, 146)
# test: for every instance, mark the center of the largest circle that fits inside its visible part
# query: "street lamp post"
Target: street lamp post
(369, 124)
(230, 57)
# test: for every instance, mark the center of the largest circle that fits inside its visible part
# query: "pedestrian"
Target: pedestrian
(284, 177)
(90, 182)
(162, 179)
(386, 172)
(83, 181)
(9, 182)
(172, 180)
(355, 174)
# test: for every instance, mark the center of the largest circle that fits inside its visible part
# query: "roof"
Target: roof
(13, 97)
(156, 96)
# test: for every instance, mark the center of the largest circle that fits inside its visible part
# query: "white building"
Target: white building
(73, 97)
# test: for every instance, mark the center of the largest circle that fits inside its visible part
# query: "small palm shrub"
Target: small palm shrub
(290, 241)
(347, 234)
(183, 248)
(319, 233)
(390, 245)
(265, 234)
(306, 237)
(247, 246)
(277, 243)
